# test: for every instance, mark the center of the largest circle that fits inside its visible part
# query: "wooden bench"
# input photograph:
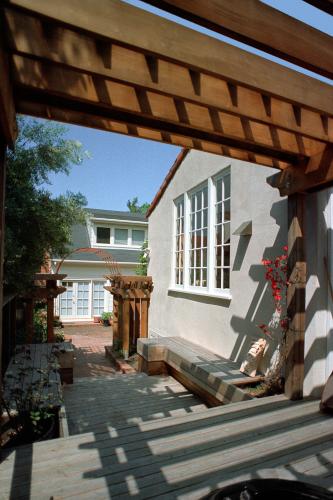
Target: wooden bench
(213, 378)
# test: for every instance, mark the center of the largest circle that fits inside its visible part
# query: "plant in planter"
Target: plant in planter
(106, 318)
(31, 409)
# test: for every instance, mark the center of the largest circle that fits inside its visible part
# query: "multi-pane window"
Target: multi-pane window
(222, 232)
(98, 297)
(121, 236)
(103, 235)
(198, 237)
(138, 236)
(66, 299)
(83, 298)
(202, 237)
(179, 252)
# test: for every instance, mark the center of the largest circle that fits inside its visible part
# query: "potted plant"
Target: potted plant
(97, 318)
(106, 317)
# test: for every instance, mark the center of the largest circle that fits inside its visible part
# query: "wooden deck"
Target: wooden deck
(152, 447)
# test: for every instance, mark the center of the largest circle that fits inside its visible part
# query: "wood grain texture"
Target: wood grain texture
(294, 368)
(136, 28)
(257, 24)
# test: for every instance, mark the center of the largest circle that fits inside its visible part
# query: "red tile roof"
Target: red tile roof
(182, 155)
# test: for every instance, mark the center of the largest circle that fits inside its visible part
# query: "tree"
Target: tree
(38, 224)
(142, 267)
(134, 207)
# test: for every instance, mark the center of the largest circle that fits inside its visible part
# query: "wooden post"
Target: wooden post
(29, 319)
(50, 284)
(115, 323)
(126, 327)
(2, 227)
(144, 318)
(294, 368)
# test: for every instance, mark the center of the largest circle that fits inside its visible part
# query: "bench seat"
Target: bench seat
(213, 377)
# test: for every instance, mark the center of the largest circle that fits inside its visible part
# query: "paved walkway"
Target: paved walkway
(89, 341)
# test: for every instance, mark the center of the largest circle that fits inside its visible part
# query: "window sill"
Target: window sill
(222, 295)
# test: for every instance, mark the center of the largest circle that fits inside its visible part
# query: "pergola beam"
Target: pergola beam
(146, 120)
(133, 27)
(257, 24)
(317, 174)
(8, 127)
(59, 45)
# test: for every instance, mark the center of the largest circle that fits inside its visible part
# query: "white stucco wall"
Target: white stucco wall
(319, 331)
(226, 327)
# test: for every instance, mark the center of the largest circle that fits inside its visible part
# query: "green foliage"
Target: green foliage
(106, 316)
(142, 267)
(38, 225)
(134, 207)
(40, 323)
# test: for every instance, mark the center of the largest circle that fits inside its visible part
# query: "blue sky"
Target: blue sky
(122, 167)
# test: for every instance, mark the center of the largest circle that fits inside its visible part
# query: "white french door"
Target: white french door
(75, 302)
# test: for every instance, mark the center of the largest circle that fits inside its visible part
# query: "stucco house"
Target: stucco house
(220, 219)
(113, 236)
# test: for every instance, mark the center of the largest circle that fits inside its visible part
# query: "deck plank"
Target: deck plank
(183, 456)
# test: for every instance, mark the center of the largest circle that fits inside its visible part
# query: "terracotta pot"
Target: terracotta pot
(97, 319)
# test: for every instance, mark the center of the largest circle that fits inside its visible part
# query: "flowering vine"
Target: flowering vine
(276, 275)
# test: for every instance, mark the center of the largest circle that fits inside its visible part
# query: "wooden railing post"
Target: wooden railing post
(294, 367)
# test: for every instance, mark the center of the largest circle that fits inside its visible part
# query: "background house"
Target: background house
(120, 236)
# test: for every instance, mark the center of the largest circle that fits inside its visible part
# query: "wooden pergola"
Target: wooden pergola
(115, 67)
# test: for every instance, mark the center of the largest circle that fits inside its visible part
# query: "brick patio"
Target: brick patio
(89, 341)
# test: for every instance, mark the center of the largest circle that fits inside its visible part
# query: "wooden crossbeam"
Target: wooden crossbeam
(316, 174)
(133, 27)
(136, 119)
(8, 126)
(122, 103)
(255, 23)
(101, 123)
(59, 46)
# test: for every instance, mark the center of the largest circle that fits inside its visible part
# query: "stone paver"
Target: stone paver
(89, 341)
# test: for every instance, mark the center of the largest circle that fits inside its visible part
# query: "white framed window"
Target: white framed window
(198, 237)
(222, 232)
(103, 235)
(138, 237)
(179, 242)
(120, 236)
(201, 255)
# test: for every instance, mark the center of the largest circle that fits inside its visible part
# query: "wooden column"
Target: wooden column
(294, 368)
(2, 227)
(29, 319)
(126, 328)
(50, 284)
(144, 318)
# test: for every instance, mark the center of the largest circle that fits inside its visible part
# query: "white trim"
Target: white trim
(224, 295)
(98, 219)
(95, 262)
